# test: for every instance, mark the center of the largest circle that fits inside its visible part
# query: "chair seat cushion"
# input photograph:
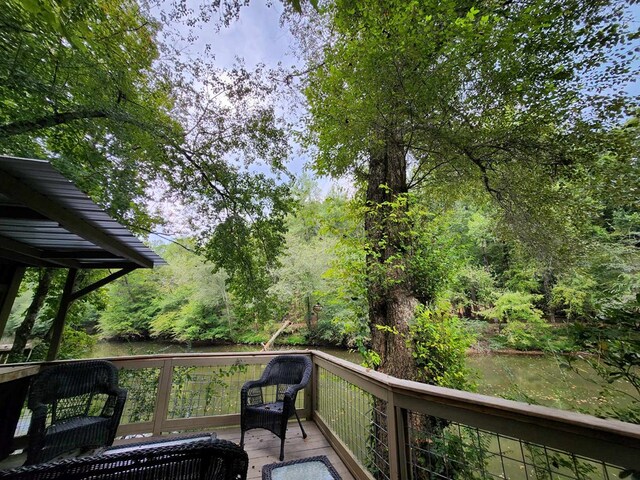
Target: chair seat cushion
(78, 424)
(275, 407)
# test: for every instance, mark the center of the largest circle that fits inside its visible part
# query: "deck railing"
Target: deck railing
(402, 429)
(383, 427)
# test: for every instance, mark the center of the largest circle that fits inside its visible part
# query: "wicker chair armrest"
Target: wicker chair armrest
(116, 391)
(38, 419)
(251, 393)
(291, 394)
(253, 384)
(115, 403)
(292, 391)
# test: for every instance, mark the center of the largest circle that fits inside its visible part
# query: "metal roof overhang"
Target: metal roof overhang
(46, 221)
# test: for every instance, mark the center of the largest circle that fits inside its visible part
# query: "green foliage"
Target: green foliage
(574, 294)
(443, 96)
(614, 338)
(439, 344)
(84, 85)
(530, 335)
(472, 287)
(182, 301)
(142, 389)
(132, 306)
(253, 338)
(76, 88)
(333, 332)
(434, 255)
(447, 444)
(75, 344)
(525, 329)
(193, 400)
(514, 306)
(294, 339)
(344, 296)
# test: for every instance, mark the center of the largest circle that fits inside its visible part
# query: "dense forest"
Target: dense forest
(490, 293)
(490, 149)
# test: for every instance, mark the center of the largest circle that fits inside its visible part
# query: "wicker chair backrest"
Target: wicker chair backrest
(69, 388)
(286, 370)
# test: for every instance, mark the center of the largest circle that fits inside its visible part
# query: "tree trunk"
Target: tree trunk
(24, 330)
(547, 287)
(391, 302)
(267, 346)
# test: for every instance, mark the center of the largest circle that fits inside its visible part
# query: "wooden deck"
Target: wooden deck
(262, 446)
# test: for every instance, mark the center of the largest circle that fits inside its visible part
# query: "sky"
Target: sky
(256, 36)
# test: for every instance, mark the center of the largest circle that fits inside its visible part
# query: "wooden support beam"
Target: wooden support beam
(58, 322)
(11, 278)
(108, 279)
(68, 296)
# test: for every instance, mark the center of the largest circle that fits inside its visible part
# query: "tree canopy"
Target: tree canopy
(106, 94)
(518, 100)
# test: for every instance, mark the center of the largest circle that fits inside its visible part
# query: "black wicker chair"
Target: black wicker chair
(201, 460)
(74, 406)
(289, 373)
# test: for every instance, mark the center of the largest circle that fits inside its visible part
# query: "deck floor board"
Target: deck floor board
(263, 447)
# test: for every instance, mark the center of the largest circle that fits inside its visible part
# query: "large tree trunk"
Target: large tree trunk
(391, 303)
(24, 330)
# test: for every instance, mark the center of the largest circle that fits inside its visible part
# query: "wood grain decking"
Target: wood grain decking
(263, 447)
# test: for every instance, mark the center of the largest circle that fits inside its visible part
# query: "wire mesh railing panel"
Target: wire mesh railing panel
(442, 449)
(208, 390)
(357, 418)
(142, 389)
(214, 390)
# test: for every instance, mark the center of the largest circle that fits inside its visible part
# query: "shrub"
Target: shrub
(75, 344)
(515, 306)
(440, 342)
(253, 338)
(472, 288)
(532, 335)
(292, 339)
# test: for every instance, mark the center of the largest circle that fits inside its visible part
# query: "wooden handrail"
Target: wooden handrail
(483, 403)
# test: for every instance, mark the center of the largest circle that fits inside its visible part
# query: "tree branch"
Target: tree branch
(20, 127)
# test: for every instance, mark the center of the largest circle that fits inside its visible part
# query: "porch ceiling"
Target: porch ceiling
(46, 221)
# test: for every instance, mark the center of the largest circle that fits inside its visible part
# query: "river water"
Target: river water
(535, 379)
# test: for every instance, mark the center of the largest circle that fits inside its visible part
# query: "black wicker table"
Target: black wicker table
(312, 468)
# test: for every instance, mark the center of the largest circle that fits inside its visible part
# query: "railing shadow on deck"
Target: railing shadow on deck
(381, 427)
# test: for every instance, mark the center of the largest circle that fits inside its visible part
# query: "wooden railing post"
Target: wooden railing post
(309, 403)
(392, 437)
(315, 372)
(402, 433)
(164, 394)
